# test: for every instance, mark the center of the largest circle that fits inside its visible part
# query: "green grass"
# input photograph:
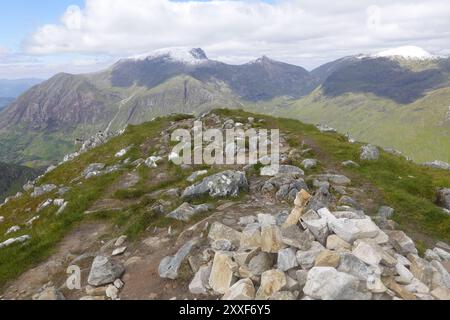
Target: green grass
(407, 187)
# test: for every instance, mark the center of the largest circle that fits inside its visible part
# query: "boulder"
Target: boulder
(322, 198)
(353, 229)
(271, 239)
(338, 179)
(272, 281)
(309, 163)
(327, 258)
(11, 241)
(244, 256)
(286, 259)
(327, 283)
(199, 283)
(443, 254)
(152, 162)
(369, 153)
(386, 212)
(354, 266)
(300, 203)
(104, 271)
(251, 236)
(260, 263)
(367, 251)
(401, 242)
(282, 169)
(350, 163)
(39, 191)
(186, 211)
(404, 275)
(336, 243)
(169, 266)
(224, 184)
(421, 269)
(319, 228)
(437, 164)
(294, 237)
(241, 290)
(220, 231)
(49, 294)
(441, 293)
(306, 259)
(221, 277)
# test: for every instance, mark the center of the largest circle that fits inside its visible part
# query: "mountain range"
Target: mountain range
(397, 99)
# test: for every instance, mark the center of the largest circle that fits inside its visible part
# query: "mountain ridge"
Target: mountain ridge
(69, 107)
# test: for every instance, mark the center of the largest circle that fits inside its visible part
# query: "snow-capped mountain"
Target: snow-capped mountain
(178, 54)
(406, 52)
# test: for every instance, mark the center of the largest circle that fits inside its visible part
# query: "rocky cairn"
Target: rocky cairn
(314, 254)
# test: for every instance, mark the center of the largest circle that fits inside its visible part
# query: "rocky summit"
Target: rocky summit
(125, 222)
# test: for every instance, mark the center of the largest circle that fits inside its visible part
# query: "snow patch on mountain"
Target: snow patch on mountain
(406, 52)
(177, 54)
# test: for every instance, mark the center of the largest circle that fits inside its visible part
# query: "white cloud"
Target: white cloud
(305, 32)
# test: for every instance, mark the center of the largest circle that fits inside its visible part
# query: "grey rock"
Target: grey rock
(104, 271)
(322, 198)
(386, 212)
(41, 190)
(350, 163)
(286, 259)
(319, 228)
(307, 258)
(309, 163)
(224, 184)
(262, 262)
(443, 198)
(401, 242)
(282, 169)
(354, 266)
(93, 169)
(294, 237)
(169, 266)
(348, 201)
(186, 211)
(11, 241)
(327, 283)
(200, 281)
(49, 294)
(369, 152)
(437, 164)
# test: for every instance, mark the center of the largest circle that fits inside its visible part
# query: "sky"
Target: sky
(45, 37)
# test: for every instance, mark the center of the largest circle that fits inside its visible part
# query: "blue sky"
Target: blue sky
(39, 38)
(22, 17)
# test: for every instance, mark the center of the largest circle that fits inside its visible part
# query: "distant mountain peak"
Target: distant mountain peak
(262, 60)
(176, 54)
(406, 52)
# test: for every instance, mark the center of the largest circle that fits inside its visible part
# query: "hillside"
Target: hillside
(394, 101)
(13, 177)
(420, 130)
(121, 207)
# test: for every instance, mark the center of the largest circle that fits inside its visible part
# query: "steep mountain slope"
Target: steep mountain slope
(104, 195)
(420, 130)
(395, 98)
(13, 177)
(74, 107)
